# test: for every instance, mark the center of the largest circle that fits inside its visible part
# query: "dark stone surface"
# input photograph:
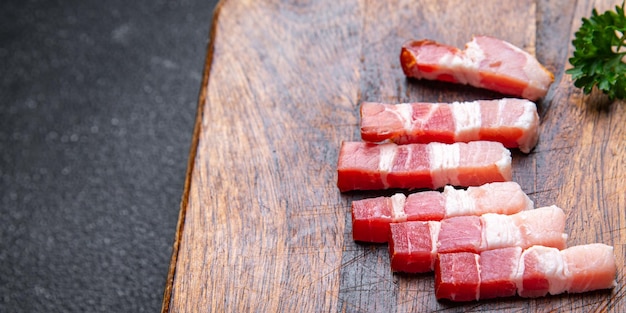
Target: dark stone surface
(97, 104)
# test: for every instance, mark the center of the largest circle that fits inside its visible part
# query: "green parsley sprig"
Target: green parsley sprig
(599, 55)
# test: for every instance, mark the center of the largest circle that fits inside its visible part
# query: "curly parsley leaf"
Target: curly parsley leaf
(599, 53)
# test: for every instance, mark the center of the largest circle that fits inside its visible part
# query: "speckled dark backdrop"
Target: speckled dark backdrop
(97, 104)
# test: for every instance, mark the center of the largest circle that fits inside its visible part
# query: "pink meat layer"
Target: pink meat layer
(368, 166)
(412, 253)
(457, 276)
(460, 233)
(371, 217)
(543, 226)
(486, 62)
(535, 272)
(498, 272)
(590, 267)
(512, 122)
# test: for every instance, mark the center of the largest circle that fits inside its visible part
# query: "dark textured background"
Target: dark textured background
(97, 104)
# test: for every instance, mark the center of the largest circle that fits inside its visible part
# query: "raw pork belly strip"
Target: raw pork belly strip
(371, 217)
(486, 62)
(513, 122)
(535, 272)
(414, 245)
(369, 166)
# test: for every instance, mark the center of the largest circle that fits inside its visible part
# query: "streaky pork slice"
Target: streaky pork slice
(534, 272)
(486, 62)
(371, 216)
(512, 122)
(369, 166)
(474, 234)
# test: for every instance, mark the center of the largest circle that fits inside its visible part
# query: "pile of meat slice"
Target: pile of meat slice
(475, 228)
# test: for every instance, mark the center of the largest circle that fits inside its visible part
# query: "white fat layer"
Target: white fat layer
(434, 228)
(454, 64)
(559, 283)
(528, 117)
(404, 112)
(473, 56)
(431, 110)
(387, 155)
(397, 207)
(500, 231)
(467, 120)
(444, 163)
(504, 164)
(458, 202)
(527, 122)
(518, 277)
(501, 110)
(413, 126)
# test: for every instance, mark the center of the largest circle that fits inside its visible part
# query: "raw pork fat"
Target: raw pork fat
(512, 122)
(475, 234)
(535, 272)
(371, 216)
(486, 62)
(368, 166)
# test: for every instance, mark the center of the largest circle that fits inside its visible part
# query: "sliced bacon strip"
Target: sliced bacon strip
(535, 272)
(371, 217)
(486, 62)
(543, 226)
(368, 166)
(512, 122)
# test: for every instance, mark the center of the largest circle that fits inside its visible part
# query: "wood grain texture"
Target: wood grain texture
(263, 227)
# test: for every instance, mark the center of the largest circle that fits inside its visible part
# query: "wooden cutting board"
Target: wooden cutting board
(263, 227)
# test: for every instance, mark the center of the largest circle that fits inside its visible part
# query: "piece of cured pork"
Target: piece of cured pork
(413, 246)
(371, 217)
(512, 122)
(486, 62)
(534, 272)
(369, 166)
